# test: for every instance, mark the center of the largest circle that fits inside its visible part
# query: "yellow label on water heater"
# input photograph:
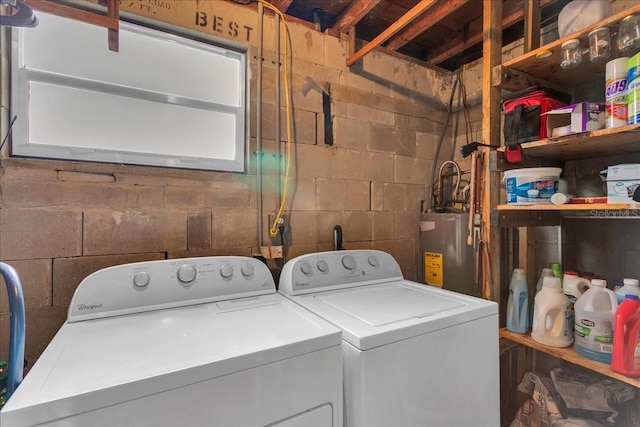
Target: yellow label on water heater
(433, 268)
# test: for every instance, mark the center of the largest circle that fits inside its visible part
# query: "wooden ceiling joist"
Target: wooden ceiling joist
(282, 5)
(356, 10)
(402, 22)
(459, 43)
(110, 21)
(426, 21)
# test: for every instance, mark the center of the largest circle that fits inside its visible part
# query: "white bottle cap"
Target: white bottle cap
(631, 282)
(599, 282)
(551, 282)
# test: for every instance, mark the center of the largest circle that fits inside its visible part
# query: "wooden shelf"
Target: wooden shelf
(570, 355)
(601, 142)
(570, 207)
(548, 68)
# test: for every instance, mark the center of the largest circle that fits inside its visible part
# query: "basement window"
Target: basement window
(163, 100)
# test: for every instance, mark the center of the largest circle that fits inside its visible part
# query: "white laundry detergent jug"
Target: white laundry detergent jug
(629, 287)
(594, 312)
(552, 315)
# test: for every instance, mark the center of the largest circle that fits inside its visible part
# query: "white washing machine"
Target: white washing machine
(414, 355)
(197, 341)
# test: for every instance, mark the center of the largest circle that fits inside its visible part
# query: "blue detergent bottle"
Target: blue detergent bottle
(518, 303)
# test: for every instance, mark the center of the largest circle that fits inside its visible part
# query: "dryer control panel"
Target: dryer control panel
(153, 285)
(337, 269)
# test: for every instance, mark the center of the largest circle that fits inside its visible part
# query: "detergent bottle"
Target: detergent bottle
(594, 312)
(518, 303)
(625, 358)
(546, 272)
(552, 315)
(573, 285)
(629, 287)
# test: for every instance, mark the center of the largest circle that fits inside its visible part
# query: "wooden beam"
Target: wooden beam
(459, 43)
(492, 56)
(356, 10)
(113, 35)
(426, 21)
(110, 21)
(513, 80)
(531, 25)
(404, 20)
(282, 5)
(73, 13)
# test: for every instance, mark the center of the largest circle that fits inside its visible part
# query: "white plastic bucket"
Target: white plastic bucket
(531, 186)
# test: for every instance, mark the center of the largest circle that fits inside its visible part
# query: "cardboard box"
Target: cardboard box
(622, 181)
(575, 118)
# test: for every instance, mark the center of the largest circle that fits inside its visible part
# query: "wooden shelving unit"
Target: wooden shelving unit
(543, 64)
(570, 207)
(601, 142)
(541, 67)
(570, 355)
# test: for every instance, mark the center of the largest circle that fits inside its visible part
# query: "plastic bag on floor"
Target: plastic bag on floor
(589, 397)
(541, 410)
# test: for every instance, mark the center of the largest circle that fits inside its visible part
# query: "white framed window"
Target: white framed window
(163, 100)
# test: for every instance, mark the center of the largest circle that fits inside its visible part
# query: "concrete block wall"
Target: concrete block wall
(62, 220)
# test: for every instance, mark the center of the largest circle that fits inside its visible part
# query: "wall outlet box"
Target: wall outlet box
(622, 182)
(576, 118)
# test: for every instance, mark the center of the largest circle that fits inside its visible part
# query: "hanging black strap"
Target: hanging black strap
(515, 126)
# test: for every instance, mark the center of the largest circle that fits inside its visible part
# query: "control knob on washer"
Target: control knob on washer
(323, 266)
(373, 261)
(141, 279)
(226, 271)
(348, 262)
(306, 268)
(186, 273)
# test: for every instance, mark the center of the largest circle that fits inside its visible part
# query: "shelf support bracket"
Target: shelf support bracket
(513, 80)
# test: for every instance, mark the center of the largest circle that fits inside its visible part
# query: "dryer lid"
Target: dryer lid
(102, 362)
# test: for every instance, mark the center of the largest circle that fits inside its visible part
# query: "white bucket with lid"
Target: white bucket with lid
(531, 186)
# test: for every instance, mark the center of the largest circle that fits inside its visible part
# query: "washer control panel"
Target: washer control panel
(152, 285)
(337, 269)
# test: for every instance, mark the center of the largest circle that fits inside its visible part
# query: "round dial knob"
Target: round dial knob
(306, 268)
(186, 273)
(323, 266)
(226, 271)
(247, 270)
(348, 262)
(373, 261)
(141, 279)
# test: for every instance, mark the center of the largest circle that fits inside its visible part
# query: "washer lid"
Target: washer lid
(379, 314)
(97, 363)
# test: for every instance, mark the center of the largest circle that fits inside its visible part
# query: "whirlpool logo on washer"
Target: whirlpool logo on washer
(83, 307)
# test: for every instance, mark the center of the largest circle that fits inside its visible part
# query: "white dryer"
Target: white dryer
(414, 355)
(195, 341)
